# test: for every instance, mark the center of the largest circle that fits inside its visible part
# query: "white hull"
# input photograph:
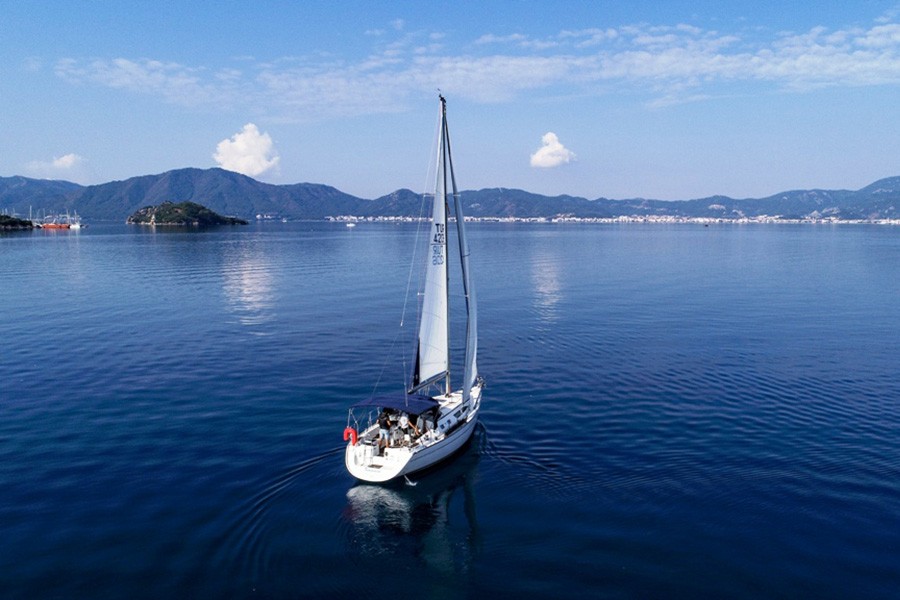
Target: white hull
(364, 462)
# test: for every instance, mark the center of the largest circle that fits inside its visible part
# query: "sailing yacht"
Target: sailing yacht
(430, 421)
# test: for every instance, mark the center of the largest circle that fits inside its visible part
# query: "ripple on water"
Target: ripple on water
(246, 547)
(669, 411)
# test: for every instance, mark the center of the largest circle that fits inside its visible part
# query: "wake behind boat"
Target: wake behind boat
(394, 435)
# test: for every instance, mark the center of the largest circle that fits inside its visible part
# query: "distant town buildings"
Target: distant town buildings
(630, 219)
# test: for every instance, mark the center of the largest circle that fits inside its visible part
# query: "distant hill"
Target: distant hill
(20, 193)
(233, 194)
(223, 191)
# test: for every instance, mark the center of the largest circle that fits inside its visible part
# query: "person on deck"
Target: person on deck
(384, 431)
(405, 425)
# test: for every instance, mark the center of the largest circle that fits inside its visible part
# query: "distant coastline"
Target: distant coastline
(229, 193)
(628, 219)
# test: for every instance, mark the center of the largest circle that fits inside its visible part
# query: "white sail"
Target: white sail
(432, 360)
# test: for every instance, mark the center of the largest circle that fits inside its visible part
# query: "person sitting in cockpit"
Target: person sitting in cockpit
(405, 425)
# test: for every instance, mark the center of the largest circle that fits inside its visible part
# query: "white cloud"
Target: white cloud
(32, 64)
(552, 153)
(490, 38)
(67, 161)
(248, 152)
(669, 64)
(883, 36)
(175, 83)
(69, 167)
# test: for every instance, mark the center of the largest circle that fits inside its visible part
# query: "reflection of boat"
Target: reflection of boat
(438, 424)
(416, 520)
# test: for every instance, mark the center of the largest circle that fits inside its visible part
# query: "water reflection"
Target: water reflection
(547, 289)
(248, 285)
(420, 526)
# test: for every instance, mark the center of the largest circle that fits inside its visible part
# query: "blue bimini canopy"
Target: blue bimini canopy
(414, 404)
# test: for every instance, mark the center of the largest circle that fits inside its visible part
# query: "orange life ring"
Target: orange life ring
(351, 433)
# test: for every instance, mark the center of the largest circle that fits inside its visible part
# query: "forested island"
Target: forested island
(12, 223)
(182, 214)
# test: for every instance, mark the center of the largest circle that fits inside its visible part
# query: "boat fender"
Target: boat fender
(349, 432)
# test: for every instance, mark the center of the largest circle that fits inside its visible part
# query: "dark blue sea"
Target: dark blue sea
(671, 411)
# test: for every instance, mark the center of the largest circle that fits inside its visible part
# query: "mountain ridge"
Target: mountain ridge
(231, 193)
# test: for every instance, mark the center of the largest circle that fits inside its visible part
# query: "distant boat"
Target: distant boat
(417, 429)
(74, 221)
(54, 222)
(66, 221)
(54, 225)
(351, 224)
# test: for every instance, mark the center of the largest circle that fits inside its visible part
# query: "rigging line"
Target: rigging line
(414, 260)
(429, 174)
(387, 357)
(412, 263)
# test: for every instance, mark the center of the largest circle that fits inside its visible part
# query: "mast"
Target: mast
(445, 160)
(433, 350)
(470, 372)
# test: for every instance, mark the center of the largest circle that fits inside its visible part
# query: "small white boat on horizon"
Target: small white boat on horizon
(410, 431)
(74, 221)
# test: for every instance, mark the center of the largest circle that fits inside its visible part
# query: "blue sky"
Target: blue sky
(668, 100)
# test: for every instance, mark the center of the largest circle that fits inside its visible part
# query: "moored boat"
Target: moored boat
(60, 221)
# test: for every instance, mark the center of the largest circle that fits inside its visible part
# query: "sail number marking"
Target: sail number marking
(437, 244)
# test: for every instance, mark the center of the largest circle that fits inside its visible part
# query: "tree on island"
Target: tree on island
(7, 222)
(181, 214)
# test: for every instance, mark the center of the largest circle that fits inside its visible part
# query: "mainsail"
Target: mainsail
(433, 353)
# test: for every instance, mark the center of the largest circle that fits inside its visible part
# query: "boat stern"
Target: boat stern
(365, 463)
